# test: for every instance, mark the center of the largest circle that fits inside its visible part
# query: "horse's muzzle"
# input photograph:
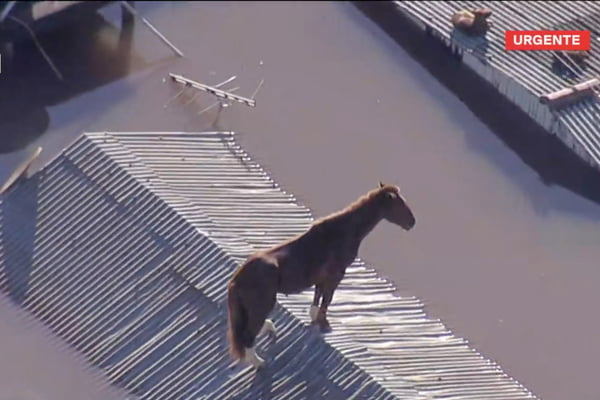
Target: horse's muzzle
(411, 224)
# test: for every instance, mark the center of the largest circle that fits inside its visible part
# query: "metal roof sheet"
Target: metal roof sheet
(535, 71)
(532, 69)
(124, 243)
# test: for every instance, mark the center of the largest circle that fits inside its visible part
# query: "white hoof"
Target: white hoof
(314, 311)
(253, 359)
(267, 327)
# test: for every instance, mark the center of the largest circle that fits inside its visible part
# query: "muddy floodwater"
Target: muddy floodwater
(505, 261)
(36, 366)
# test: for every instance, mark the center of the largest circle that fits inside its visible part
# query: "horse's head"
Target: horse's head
(394, 207)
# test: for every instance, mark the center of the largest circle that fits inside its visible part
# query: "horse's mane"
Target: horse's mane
(337, 215)
(361, 201)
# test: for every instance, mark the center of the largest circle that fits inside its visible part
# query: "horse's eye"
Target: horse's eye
(391, 195)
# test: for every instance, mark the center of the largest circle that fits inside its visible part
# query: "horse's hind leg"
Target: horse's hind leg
(258, 324)
(259, 298)
(268, 327)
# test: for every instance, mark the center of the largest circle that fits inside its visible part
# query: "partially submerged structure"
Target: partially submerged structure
(123, 246)
(27, 19)
(559, 90)
(41, 15)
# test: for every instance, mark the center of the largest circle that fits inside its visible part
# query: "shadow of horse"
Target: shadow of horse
(262, 384)
(89, 53)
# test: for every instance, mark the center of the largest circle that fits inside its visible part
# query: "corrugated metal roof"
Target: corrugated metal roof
(93, 247)
(533, 70)
(582, 121)
(124, 243)
(208, 168)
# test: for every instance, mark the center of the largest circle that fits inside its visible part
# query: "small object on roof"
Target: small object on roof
(567, 96)
(472, 22)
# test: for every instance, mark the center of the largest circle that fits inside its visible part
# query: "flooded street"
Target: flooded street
(504, 260)
(35, 366)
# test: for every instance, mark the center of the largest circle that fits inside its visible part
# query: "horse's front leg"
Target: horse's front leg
(314, 308)
(327, 290)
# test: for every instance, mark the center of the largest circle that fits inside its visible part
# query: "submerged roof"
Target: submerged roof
(537, 72)
(123, 246)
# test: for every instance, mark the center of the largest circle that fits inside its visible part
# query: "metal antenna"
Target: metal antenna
(257, 89)
(222, 94)
(218, 103)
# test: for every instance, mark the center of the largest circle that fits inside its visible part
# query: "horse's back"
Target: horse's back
(293, 264)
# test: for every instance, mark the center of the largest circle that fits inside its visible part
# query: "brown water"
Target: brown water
(505, 261)
(34, 367)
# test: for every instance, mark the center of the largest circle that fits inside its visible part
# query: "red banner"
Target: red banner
(547, 40)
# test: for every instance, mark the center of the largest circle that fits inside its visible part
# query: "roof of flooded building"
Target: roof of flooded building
(537, 72)
(123, 246)
(34, 11)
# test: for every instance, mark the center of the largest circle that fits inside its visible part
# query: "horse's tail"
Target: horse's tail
(237, 322)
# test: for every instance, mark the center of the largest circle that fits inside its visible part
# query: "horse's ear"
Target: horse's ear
(381, 184)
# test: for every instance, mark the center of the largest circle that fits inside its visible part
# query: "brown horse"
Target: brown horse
(317, 257)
